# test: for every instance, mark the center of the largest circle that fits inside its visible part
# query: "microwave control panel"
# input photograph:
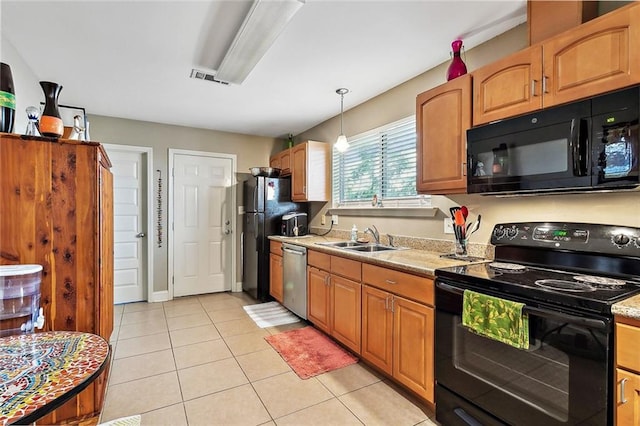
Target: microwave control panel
(587, 237)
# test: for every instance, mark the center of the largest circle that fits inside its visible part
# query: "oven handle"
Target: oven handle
(587, 322)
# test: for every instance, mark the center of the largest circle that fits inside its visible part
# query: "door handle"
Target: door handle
(141, 235)
(227, 231)
(623, 400)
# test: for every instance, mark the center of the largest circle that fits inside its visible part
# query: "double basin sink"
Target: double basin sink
(360, 247)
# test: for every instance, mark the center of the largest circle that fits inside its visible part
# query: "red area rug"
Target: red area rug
(309, 352)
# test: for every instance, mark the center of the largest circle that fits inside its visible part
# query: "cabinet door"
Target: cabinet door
(319, 299)
(346, 312)
(274, 161)
(299, 172)
(104, 296)
(413, 346)
(596, 57)
(377, 328)
(285, 162)
(508, 87)
(627, 403)
(443, 116)
(275, 277)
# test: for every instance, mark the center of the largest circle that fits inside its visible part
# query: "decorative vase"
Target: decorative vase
(50, 121)
(457, 66)
(7, 99)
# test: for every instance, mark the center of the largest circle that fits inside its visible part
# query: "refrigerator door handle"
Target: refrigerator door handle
(255, 228)
(255, 198)
(242, 253)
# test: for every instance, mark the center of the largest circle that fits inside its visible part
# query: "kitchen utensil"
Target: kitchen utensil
(476, 225)
(453, 210)
(459, 218)
(265, 171)
(465, 212)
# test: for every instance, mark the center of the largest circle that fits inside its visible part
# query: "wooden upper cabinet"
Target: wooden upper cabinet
(274, 161)
(597, 57)
(285, 162)
(548, 18)
(594, 58)
(310, 171)
(508, 87)
(443, 115)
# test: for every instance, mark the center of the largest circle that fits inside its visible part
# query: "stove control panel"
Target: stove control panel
(587, 237)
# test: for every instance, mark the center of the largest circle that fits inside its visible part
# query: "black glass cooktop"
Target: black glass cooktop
(574, 289)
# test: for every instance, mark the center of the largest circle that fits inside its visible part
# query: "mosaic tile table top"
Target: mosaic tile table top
(40, 371)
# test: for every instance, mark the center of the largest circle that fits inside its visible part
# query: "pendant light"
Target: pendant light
(341, 143)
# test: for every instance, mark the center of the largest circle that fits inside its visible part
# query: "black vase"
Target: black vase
(50, 121)
(7, 99)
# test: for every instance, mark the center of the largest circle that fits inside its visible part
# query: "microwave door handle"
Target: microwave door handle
(579, 151)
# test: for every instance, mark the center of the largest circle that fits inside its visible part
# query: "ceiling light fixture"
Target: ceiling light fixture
(341, 143)
(262, 26)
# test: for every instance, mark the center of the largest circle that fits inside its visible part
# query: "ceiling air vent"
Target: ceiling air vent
(202, 75)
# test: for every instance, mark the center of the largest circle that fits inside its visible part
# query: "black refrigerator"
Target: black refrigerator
(266, 200)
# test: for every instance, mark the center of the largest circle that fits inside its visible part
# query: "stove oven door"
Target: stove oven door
(562, 379)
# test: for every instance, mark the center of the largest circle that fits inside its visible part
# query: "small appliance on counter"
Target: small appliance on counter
(20, 310)
(294, 225)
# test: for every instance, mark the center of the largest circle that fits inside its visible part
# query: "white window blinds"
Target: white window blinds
(381, 162)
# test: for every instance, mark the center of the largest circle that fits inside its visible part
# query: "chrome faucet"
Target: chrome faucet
(390, 240)
(374, 232)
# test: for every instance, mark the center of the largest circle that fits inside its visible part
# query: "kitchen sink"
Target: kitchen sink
(370, 248)
(342, 244)
(360, 247)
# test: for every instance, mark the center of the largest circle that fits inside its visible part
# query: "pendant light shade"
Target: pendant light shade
(341, 143)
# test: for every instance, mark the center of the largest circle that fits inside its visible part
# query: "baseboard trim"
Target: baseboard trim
(159, 296)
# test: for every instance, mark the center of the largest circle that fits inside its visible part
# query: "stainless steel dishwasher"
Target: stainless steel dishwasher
(294, 263)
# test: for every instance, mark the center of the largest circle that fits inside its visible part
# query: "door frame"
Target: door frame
(148, 188)
(170, 209)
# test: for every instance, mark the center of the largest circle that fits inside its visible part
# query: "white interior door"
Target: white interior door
(202, 226)
(129, 168)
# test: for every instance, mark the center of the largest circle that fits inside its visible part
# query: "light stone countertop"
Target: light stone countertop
(423, 261)
(629, 308)
(415, 261)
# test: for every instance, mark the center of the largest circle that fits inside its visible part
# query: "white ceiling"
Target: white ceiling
(132, 59)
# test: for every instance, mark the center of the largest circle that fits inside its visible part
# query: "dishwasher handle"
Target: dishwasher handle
(292, 249)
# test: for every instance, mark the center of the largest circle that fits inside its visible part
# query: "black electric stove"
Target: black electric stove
(577, 265)
(567, 276)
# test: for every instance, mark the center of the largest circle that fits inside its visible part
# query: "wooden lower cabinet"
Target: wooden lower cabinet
(334, 299)
(276, 284)
(397, 337)
(627, 386)
(627, 398)
(319, 298)
(377, 328)
(346, 318)
(56, 210)
(413, 328)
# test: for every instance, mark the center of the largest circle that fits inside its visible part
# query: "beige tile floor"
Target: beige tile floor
(202, 361)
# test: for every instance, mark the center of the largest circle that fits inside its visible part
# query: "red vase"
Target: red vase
(457, 66)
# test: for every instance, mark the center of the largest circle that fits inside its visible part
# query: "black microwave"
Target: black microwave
(586, 145)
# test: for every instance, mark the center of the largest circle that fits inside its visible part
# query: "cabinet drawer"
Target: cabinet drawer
(319, 260)
(348, 268)
(628, 346)
(413, 287)
(275, 247)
